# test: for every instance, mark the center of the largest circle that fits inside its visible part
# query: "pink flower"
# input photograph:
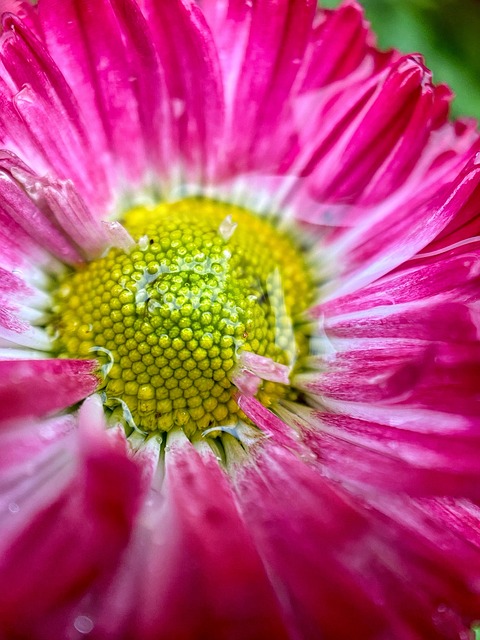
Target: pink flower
(330, 488)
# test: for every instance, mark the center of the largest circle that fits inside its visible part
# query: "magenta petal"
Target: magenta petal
(208, 561)
(16, 204)
(379, 140)
(189, 59)
(392, 564)
(396, 230)
(38, 387)
(293, 514)
(22, 444)
(50, 115)
(344, 43)
(114, 72)
(396, 456)
(74, 539)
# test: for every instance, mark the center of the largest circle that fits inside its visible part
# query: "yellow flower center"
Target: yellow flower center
(168, 319)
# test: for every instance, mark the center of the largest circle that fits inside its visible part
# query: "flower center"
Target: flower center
(168, 320)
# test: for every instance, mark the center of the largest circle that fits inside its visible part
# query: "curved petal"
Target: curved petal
(33, 388)
(208, 560)
(383, 563)
(190, 63)
(51, 127)
(78, 535)
(114, 70)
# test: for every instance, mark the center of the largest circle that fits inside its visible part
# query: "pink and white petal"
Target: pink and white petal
(61, 210)
(396, 230)
(189, 58)
(391, 577)
(16, 203)
(292, 512)
(22, 307)
(383, 134)
(116, 76)
(433, 375)
(74, 538)
(447, 277)
(25, 440)
(464, 226)
(275, 83)
(46, 104)
(17, 332)
(436, 567)
(20, 252)
(268, 422)
(39, 387)
(392, 456)
(205, 558)
(67, 209)
(259, 74)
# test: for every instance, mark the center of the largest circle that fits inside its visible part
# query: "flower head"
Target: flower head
(239, 354)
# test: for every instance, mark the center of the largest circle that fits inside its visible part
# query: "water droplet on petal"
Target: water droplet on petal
(13, 507)
(83, 624)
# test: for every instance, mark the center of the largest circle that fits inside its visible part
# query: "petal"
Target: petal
(292, 513)
(341, 44)
(25, 441)
(50, 115)
(115, 74)
(17, 205)
(189, 59)
(208, 561)
(379, 139)
(22, 308)
(74, 538)
(384, 562)
(396, 230)
(395, 455)
(39, 387)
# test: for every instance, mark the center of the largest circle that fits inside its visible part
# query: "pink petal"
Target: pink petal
(50, 114)
(115, 74)
(263, 367)
(17, 205)
(293, 514)
(207, 561)
(379, 141)
(21, 308)
(23, 9)
(77, 537)
(33, 388)
(189, 59)
(23, 442)
(343, 42)
(449, 278)
(395, 457)
(396, 230)
(398, 573)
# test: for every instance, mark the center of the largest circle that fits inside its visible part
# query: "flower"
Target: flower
(239, 327)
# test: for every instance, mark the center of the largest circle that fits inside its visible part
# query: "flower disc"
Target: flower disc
(170, 317)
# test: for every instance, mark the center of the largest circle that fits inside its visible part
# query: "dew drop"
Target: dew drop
(83, 624)
(13, 507)
(227, 228)
(143, 243)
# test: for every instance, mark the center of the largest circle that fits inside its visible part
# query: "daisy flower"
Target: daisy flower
(239, 320)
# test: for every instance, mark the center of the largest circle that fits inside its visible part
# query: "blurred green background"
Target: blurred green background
(446, 32)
